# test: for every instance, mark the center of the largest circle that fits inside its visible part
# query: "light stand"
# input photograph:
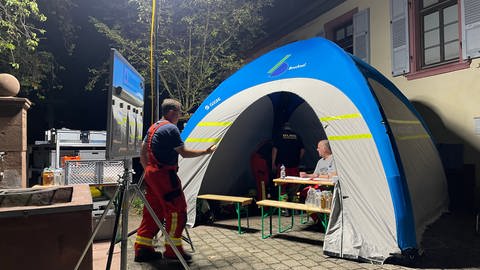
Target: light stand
(155, 57)
(123, 189)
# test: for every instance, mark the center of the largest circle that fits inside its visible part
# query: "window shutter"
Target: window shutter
(399, 36)
(361, 35)
(470, 28)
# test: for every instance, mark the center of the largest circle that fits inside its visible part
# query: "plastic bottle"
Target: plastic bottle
(310, 200)
(323, 200)
(318, 199)
(282, 172)
(47, 177)
(329, 197)
(58, 177)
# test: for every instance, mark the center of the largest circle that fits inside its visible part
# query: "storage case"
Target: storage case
(106, 229)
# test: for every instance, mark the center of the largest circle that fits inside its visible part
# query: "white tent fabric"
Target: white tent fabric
(416, 150)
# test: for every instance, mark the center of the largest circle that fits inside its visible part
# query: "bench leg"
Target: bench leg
(280, 229)
(270, 224)
(304, 218)
(324, 218)
(238, 208)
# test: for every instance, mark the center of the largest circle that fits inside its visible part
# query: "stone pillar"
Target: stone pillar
(13, 141)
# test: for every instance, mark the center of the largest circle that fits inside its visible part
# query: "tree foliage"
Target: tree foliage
(15, 30)
(200, 42)
(21, 30)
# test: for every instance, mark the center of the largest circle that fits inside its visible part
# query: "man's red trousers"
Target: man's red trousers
(165, 195)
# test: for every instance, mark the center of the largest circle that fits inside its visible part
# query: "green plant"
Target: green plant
(137, 206)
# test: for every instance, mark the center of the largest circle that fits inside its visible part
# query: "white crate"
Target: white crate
(98, 136)
(68, 135)
(91, 155)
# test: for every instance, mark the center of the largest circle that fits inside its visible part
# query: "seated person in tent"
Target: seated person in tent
(287, 150)
(259, 162)
(325, 169)
(326, 164)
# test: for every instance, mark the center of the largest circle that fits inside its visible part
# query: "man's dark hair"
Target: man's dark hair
(170, 104)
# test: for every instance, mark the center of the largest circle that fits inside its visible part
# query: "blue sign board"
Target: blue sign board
(126, 77)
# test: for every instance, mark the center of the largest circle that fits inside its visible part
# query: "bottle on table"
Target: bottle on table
(310, 200)
(318, 199)
(282, 172)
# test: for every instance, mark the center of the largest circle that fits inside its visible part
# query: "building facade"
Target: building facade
(430, 49)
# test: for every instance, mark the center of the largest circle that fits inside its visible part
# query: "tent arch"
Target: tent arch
(347, 130)
(377, 216)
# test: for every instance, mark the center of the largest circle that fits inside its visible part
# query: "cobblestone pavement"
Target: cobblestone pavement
(451, 243)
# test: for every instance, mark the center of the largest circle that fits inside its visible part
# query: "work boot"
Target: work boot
(147, 255)
(186, 256)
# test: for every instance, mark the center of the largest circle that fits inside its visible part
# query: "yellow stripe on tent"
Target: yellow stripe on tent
(203, 140)
(395, 121)
(341, 117)
(350, 137)
(214, 124)
(412, 137)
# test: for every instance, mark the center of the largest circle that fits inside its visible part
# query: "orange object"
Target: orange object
(65, 158)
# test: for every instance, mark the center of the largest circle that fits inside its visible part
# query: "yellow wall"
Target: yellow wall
(453, 96)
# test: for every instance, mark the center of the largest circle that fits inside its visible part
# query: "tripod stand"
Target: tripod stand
(122, 191)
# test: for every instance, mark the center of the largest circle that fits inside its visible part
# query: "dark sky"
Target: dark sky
(72, 107)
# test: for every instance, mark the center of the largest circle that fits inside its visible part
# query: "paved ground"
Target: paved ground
(451, 243)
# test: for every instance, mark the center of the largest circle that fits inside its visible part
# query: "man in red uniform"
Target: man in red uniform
(159, 158)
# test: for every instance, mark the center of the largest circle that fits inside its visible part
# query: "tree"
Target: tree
(16, 32)
(20, 34)
(200, 42)
(19, 38)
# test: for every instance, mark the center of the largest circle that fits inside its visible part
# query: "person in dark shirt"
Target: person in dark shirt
(159, 157)
(287, 150)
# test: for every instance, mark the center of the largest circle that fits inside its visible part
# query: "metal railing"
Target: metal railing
(92, 171)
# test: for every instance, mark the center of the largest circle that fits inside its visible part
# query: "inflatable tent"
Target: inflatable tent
(392, 183)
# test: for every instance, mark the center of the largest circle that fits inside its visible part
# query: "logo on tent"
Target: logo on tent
(213, 103)
(280, 67)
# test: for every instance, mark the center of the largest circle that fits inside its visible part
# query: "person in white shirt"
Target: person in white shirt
(326, 165)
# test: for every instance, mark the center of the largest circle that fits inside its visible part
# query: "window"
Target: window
(351, 32)
(439, 32)
(343, 36)
(340, 30)
(431, 37)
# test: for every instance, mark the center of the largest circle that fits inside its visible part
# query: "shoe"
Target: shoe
(186, 256)
(147, 255)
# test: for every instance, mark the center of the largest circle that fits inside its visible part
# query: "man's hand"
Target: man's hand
(211, 149)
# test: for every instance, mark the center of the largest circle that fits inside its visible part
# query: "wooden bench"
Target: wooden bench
(239, 202)
(286, 205)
